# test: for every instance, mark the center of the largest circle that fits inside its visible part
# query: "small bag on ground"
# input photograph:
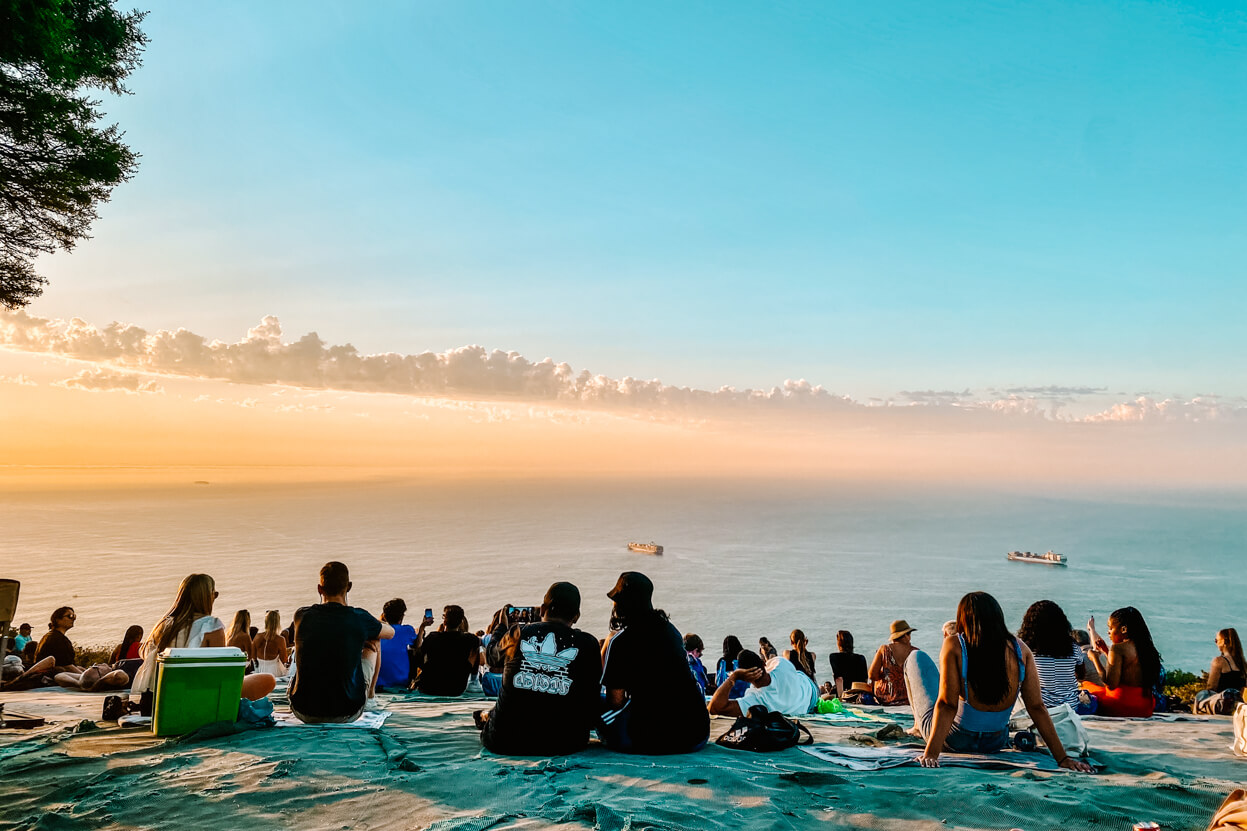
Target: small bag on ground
(763, 731)
(1218, 704)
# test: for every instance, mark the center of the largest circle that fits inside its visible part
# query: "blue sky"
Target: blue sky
(875, 197)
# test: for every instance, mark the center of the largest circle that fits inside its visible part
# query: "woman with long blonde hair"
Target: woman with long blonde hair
(800, 655)
(189, 623)
(239, 634)
(270, 648)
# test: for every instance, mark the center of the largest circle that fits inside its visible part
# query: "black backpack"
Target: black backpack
(763, 731)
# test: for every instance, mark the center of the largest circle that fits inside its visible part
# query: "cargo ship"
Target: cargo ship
(645, 547)
(1049, 559)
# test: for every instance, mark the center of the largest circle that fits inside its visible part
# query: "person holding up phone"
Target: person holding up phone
(449, 656)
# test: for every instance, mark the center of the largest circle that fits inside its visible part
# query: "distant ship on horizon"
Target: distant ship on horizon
(1051, 558)
(645, 547)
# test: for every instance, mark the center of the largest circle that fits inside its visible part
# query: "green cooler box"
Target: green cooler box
(195, 687)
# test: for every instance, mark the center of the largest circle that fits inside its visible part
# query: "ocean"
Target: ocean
(743, 558)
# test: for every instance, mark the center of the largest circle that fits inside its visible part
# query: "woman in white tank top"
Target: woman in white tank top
(270, 648)
(190, 624)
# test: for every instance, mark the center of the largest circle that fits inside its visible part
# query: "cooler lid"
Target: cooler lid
(222, 654)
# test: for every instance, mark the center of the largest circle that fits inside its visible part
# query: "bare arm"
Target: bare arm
(387, 632)
(1214, 672)
(216, 638)
(876, 666)
(1032, 697)
(946, 705)
(720, 704)
(1116, 660)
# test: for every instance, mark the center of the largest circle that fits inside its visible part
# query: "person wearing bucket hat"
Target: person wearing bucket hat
(887, 671)
(653, 704)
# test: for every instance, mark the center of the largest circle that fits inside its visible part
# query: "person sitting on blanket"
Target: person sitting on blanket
(887, 669)
(776, 685)
(1227, 670)
(190, 624)
(551, 681)
(23, 637)
(1134, 670)
(338, 649)
(694, 646)
(396, 652)
(800, 654)
(964, 705)
(847, 666)
(449, 657)
(1059, 661)
(1090, 673)
(56, 644)
(731, 650)
(653, 705)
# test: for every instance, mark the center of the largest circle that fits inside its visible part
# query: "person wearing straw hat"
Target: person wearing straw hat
(887, 671)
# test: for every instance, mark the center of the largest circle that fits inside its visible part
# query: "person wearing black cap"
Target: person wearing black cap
(653, 704)
(550, 699)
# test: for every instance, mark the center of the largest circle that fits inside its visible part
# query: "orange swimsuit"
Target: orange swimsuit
(1123, 702)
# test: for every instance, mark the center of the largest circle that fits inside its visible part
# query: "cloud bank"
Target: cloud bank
(103, 380)
(265, 357)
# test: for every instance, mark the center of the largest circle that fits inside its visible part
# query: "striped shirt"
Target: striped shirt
(1057, 679)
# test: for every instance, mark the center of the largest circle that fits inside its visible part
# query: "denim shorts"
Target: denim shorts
(972, 741)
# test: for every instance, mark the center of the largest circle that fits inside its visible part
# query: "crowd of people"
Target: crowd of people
(643, 688)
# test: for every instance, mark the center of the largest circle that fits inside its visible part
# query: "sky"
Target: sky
(1017, 223)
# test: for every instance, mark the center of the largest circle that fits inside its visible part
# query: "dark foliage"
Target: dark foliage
(56, 163)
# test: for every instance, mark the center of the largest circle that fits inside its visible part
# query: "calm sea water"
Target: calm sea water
(745, 559)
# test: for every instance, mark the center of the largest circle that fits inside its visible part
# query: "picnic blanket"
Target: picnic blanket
(881, 758)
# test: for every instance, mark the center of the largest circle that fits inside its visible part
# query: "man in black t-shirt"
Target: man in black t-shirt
(550, 697)
(653, 704)
(449, 656)
(336, 651)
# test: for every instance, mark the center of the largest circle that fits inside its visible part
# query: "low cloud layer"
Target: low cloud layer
(265, 357)
(104, 380)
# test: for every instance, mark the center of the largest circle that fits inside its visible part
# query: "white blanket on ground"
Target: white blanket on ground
(369, 720)
(1167, 717)
(881, 758)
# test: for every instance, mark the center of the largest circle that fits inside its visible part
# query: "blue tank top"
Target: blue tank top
(983, 721)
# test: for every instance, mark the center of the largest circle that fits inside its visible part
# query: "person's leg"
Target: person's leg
(613, 729)
(90, 680)
(370, 660)
(922, 681)
(115, 680)
(257, 685)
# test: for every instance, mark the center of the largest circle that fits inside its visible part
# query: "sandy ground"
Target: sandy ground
(425, 769)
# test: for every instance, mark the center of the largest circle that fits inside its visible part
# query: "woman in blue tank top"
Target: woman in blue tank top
(965, 704)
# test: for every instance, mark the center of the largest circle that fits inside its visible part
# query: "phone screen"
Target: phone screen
(428, 613)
